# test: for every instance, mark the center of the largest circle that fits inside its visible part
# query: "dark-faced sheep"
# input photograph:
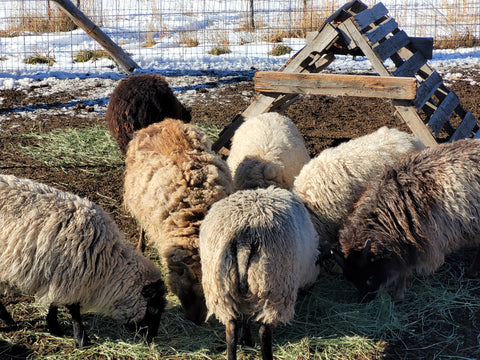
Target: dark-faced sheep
(330, 183)
(172, 177)
(420, 209)
(257, 249)
(267, 149)
(65, 250)
(138, 101)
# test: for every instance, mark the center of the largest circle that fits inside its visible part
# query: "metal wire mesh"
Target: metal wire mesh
(36, 36)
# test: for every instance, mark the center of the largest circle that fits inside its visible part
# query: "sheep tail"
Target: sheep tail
(244, 252)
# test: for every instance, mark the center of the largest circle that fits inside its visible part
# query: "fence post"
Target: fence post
(98, 35)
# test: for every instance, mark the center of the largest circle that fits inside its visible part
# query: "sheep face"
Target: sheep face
(367, 271)
(154, 294)
(184, 279)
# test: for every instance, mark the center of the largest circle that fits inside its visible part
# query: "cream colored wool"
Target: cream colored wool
(266, 150)
(172, 178)
(64, 249)
(264, 236)
(333, 181)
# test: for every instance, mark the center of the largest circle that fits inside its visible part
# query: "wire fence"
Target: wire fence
(36, 36)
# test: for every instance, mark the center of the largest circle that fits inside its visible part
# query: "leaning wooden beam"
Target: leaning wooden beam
(389, 87)
(98, 35)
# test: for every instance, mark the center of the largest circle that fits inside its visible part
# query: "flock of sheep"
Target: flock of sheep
(238, 237)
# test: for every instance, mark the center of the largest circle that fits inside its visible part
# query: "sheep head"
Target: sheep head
(154, 294)
(364, 269)
(185, 281)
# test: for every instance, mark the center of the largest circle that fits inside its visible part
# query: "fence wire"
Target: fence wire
(36, 36)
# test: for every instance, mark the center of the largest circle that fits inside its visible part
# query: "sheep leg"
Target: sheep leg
(5, 316)
(265, 334)
(399, 288)
(78, 329)
(473, 271)
(246, 334)
(231, 330)
(53, 326)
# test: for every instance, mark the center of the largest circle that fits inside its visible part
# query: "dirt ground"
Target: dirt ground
(323, 121)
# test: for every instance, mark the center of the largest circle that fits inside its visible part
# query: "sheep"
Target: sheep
(330, 183)
(138, 101)
(258, 247)
(65, 250)
(266, 150)
(413, 214)
(172, 177)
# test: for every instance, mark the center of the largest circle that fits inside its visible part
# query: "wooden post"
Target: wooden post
(98, 35)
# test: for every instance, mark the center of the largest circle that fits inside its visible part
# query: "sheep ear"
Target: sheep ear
(150, 291)
(338, 256)
(177, 268)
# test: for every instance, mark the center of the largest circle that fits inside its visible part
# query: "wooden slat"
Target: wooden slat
(427, 89)
(411, 66)
(443, 112)
(465, 128)
(477, 135)
(424, 45)
(368, 16)
(345, 11)
(381, 31)
(392, 45)
(337, 85)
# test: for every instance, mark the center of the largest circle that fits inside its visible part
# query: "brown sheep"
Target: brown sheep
(420, 209)
(172, 177)
(138, 101)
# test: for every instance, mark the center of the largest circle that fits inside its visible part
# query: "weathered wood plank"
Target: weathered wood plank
(391, 45)
(465, 128)
(351, 33)
(368, 16)
(381, 31)
(411, 66)
(337, 85)
(427, 89)
(443, 112)
(354, 6)
(407, 113)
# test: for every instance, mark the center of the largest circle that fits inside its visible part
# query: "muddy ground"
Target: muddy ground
(323, 121)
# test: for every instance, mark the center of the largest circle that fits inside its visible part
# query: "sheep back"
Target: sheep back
(257, 248)
(138, 101)
(331, 182)
(266, 150)
(64, 249)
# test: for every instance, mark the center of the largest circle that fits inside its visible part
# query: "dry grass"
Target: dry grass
(38, 58)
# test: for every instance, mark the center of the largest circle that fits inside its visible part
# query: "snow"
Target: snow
(240, 64)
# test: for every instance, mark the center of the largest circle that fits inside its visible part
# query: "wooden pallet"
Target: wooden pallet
(356, 29)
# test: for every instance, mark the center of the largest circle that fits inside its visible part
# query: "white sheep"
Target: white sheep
(65, 250)
(258, 247)
(172, 177)
(266, 150)
(330, 183)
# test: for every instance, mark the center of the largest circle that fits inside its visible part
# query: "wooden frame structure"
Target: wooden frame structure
(356, 29)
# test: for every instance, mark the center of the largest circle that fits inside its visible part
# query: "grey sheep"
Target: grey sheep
(138, 101)
(172, 177)
(65, 250)
(420, 209)
(258, 247)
